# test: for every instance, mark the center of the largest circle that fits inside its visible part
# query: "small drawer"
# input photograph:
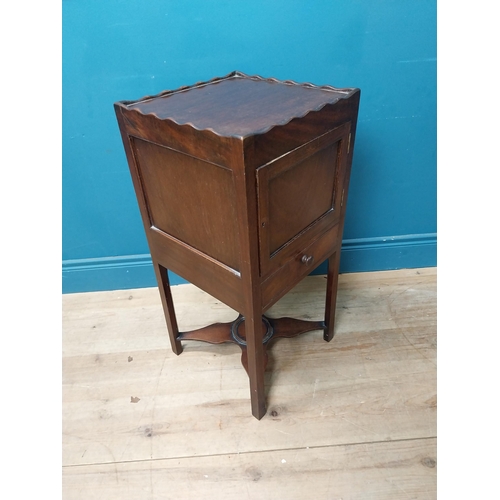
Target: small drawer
(299, 266)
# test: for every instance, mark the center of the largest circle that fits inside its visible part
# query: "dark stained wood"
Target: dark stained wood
(261, 104)
(208, 274)
(331, 294)
(280, 140)
(168, 307)
(236, 332)
(291, 327)
(299, 197)
(287, 276)
(203, 144)
(217, 333)
(192, 200)
(242, 185)
(255, 357)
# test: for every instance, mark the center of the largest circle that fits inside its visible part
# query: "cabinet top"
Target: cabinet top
(238, 105)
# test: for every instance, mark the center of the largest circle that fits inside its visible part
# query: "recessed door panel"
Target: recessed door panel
(300, 197)
(191, 200)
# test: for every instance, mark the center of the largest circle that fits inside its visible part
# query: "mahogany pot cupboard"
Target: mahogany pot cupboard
(242, 186)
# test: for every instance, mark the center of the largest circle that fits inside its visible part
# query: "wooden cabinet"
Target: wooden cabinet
(242, 184)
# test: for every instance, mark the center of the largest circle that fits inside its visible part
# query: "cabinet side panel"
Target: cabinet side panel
(190, 199)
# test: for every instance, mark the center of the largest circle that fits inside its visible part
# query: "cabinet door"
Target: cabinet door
(300, 195)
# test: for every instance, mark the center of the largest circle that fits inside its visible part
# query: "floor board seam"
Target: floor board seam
(296, 448)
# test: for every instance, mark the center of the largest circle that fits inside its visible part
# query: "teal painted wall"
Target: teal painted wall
(124, 49)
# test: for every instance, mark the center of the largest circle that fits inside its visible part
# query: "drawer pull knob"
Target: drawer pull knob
(307, 260)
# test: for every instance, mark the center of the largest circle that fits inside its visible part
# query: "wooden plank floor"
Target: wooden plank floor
(352, 419)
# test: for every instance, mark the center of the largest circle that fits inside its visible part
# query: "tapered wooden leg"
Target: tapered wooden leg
(168, 307)
(331, 295)
(256, 359)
